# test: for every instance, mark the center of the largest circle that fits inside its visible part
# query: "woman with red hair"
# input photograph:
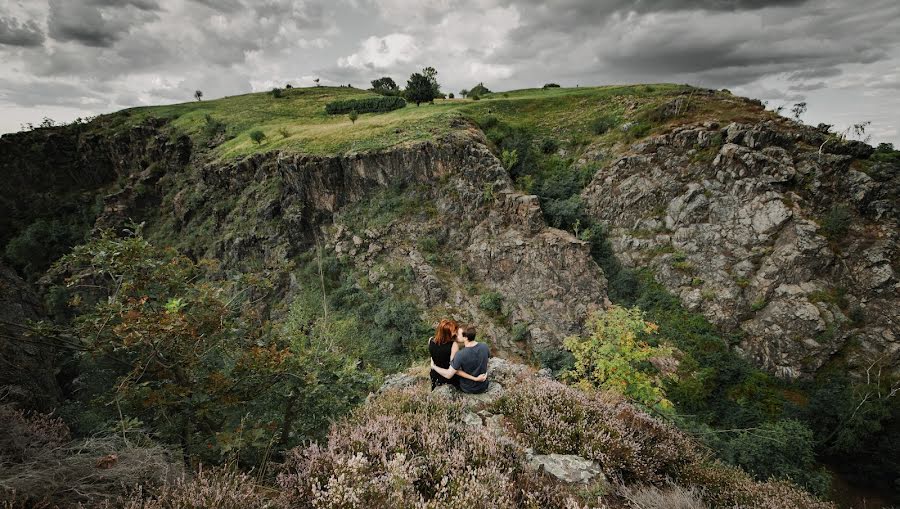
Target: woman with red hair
(443, 347)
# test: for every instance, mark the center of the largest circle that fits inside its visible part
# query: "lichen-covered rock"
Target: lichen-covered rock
(568, 468)
(732, 221)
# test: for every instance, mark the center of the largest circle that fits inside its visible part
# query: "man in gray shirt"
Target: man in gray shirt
(473, 359)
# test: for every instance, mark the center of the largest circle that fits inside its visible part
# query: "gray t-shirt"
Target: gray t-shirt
(474, 361)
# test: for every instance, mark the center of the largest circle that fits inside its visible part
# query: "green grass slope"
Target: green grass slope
(297, 122)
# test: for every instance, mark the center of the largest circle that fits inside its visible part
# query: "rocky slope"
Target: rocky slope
(768, 230)
(454, 230)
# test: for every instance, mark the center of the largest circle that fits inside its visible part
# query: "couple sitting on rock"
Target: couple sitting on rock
(457, 359)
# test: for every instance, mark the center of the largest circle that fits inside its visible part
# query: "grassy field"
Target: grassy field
(297, 122)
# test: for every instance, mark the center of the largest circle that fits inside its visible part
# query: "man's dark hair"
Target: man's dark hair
(469, 332)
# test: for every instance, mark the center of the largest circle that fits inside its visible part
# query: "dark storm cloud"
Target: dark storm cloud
(98, 23)
(726, 43)
(15, 33)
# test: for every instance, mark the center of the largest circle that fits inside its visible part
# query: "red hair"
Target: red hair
(446, 331)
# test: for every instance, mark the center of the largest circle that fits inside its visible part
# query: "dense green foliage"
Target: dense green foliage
(175, 345)
(42, 242)
(385, 86)
(367, 105)
(615, 357)
(479, 89)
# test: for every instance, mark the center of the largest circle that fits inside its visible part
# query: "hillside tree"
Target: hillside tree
(198, 95)
(419, 89)
(385, 85)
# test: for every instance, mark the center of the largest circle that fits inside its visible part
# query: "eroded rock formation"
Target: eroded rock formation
(740, 222)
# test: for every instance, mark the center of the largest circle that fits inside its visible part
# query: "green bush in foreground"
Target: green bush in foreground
(367, 105)
(615, 357)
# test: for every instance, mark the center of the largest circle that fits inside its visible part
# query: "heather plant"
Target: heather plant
(632, 446)
(616, 357)
(629, 444)
(26, 435)
(405, 449)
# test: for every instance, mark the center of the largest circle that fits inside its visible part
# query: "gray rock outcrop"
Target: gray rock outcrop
(735, 221)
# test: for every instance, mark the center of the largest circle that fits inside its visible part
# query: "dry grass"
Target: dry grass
(69, 475)
(40, 466)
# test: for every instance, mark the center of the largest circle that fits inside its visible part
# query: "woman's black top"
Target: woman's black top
(440, 354)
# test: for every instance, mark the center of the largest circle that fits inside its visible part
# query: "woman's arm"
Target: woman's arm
(454, 349)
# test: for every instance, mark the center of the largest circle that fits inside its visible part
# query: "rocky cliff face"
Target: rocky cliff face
(453, 228)
(767, 232)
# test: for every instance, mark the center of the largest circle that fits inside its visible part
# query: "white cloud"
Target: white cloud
(378, 53)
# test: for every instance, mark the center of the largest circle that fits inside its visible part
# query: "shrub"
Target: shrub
(276, 93)
(556, 360)
(780, 450)
(212, 127)
(450, 96)
(837, 222)
(353, 116)
(489, 122)
(639, 130)
(603, 124)
(551, 85)
(549, 146)
(367, 105)
(492, 302)
(615, 357)
(283, 132)
(474, 97)
(509, 159)
(395, 452)
(257, 136)
(519, 332)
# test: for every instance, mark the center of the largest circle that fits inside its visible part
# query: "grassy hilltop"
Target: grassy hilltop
(297, 121)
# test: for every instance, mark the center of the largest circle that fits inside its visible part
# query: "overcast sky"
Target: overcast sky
(71, 58)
